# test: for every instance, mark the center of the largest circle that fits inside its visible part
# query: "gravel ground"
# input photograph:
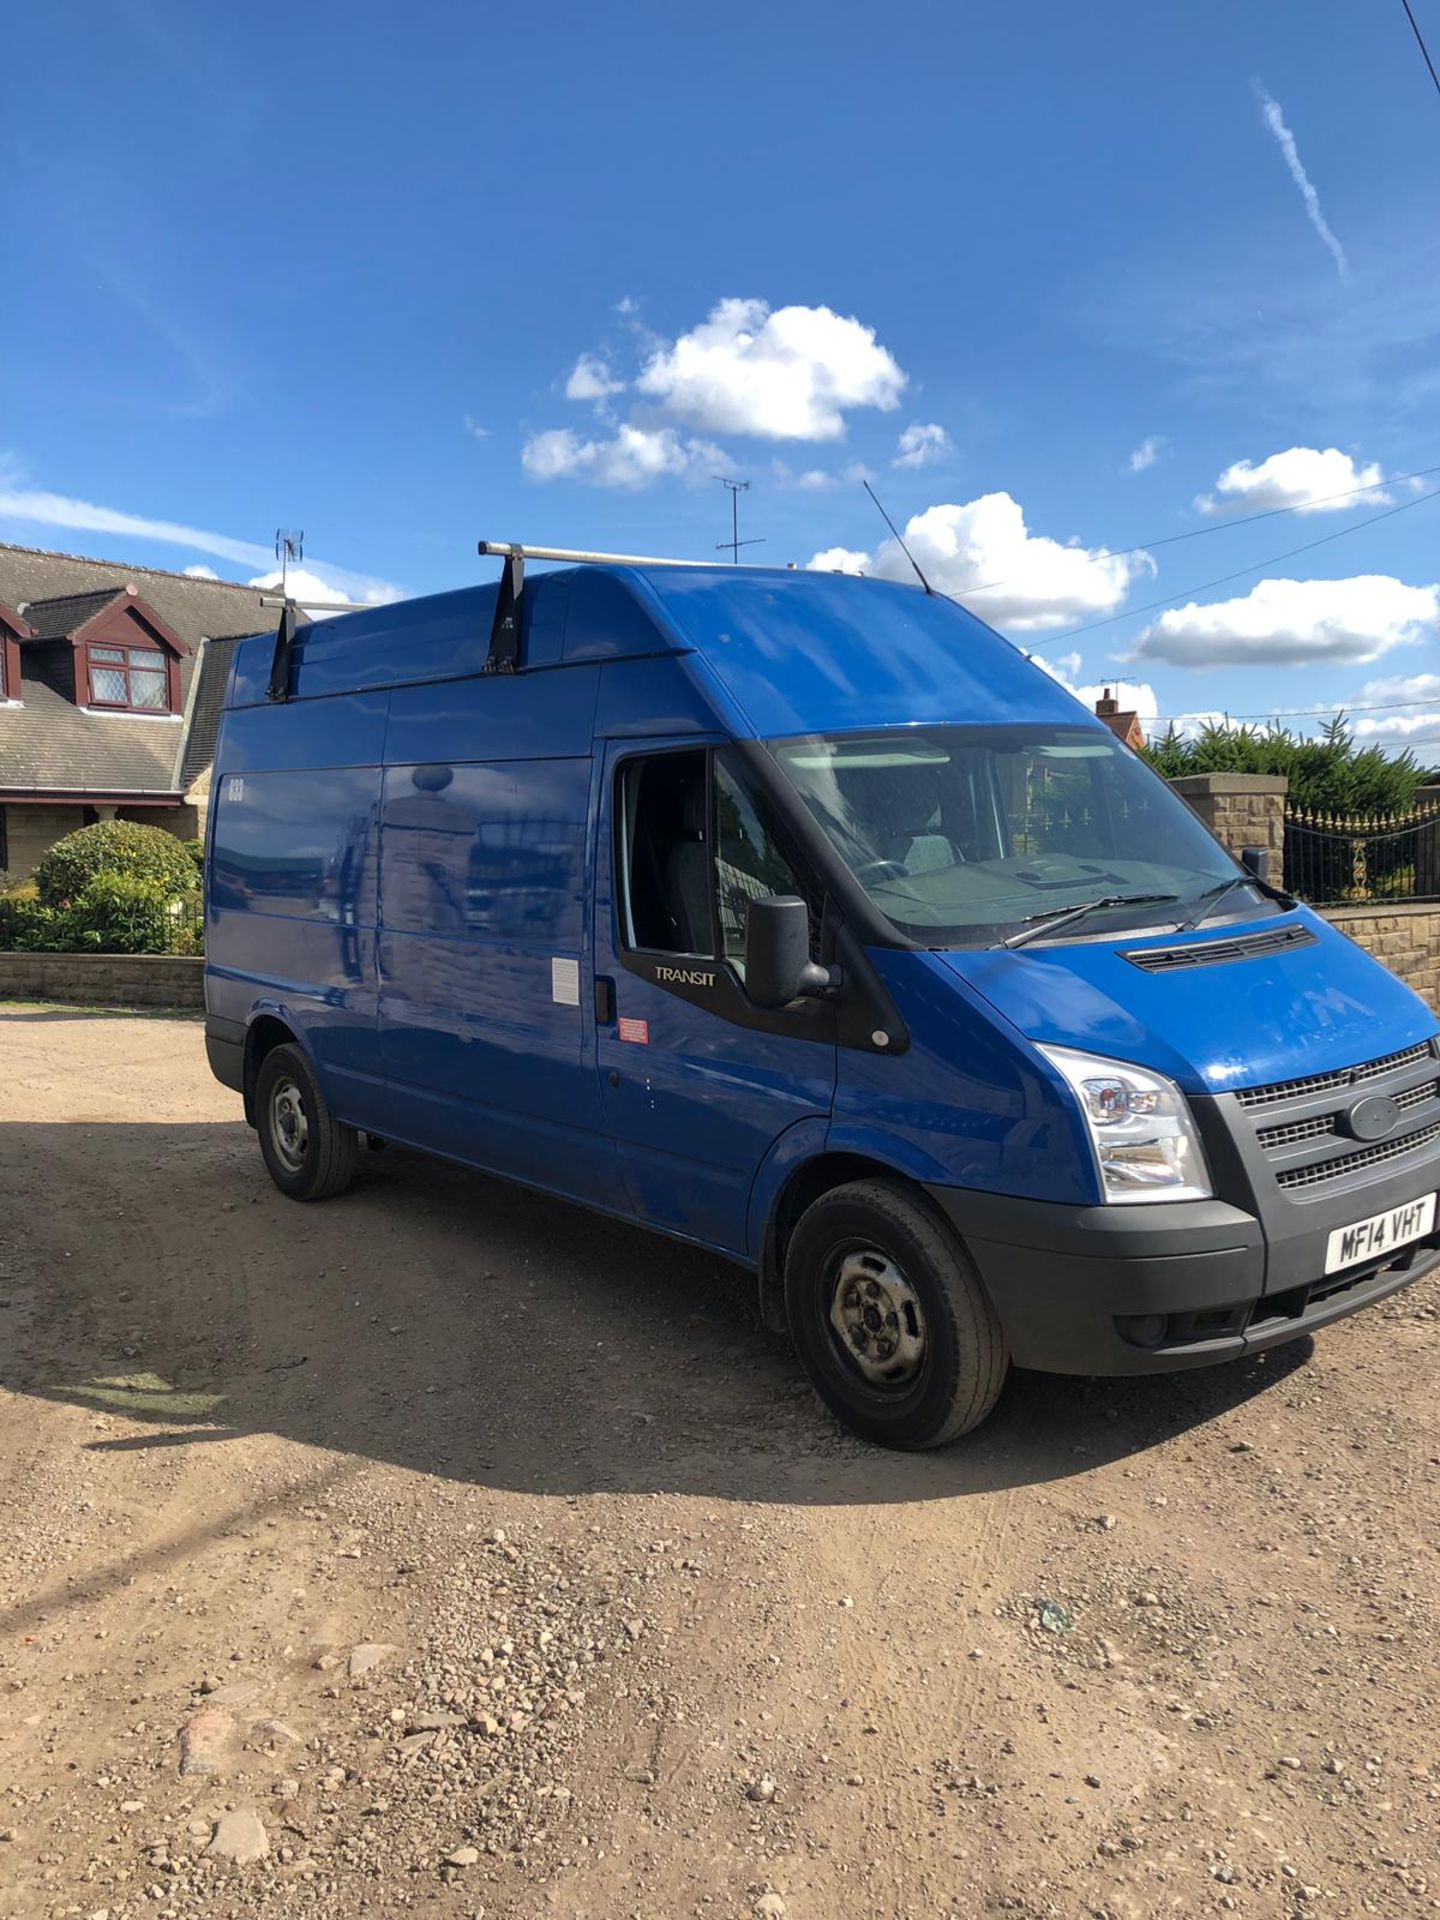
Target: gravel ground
(443, 1549)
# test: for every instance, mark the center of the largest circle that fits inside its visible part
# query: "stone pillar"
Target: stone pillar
(1241, 810)
(1427, 846)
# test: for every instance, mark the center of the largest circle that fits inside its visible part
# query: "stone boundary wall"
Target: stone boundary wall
(104, 979)
(1406, 938)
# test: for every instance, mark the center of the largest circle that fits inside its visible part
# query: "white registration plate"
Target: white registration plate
(1382, 1233)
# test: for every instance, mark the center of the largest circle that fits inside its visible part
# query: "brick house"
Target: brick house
(111, 679)
(1124, 724)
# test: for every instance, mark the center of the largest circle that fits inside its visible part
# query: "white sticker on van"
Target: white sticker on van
(565, 982)
(235, 787)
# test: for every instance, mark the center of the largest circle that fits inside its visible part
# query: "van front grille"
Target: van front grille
(1324, 1082)
(1303, 1127)
(1343, 1165)
(1292, 1133)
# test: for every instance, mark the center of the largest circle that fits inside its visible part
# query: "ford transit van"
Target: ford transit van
(802, 918)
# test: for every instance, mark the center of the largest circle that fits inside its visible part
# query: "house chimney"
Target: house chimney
(1105, 706)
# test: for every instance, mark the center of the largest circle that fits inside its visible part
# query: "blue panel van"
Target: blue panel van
(801, 917)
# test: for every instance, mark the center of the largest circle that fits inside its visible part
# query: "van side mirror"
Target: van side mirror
(778, 967)
(1256, 862)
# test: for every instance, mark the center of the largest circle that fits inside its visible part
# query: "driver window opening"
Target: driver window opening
(681, 893)
(665, 855)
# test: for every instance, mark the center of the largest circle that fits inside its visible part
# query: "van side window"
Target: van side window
(664, 858)
(678, 893)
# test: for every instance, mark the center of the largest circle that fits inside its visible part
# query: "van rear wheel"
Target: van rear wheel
(889, 1319)
(310, 1154)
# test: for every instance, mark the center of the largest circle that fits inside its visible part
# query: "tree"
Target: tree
(1328, 774)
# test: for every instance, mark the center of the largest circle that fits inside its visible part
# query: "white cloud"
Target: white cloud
(83, 516)
(199, 572)
(1417, 695)
(983, 553)
(475, 430)
(591, 379)
(1187, 725)
(790, 374)
(921, 445)
(312, 593)
(1133, 696)
(631, 458)
(1275, 121)
(816, 479)
(1295, 623)
(1305, 478)
(1148, 452)
(839, 560)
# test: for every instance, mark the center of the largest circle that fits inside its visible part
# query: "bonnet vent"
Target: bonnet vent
(1215, 953)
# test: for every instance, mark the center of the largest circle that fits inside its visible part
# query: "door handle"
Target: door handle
(604, 1000)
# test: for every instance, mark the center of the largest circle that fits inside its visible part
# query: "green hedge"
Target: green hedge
(114, 914)
(119, 847)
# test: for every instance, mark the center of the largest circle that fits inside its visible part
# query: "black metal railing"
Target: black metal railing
(1364, 859)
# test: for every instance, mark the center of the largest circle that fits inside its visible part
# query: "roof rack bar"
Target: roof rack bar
(512, 549)
(312, 606)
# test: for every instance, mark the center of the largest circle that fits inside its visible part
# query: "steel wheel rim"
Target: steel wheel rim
(876, 1319)
(289, 1125)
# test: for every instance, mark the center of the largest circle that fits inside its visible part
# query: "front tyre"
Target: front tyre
(309, 1153)
(889, 1319)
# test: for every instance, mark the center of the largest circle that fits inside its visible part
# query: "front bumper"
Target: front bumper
(1150, 1289)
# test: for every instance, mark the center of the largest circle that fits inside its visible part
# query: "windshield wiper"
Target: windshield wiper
(1052, 922)
(1211, 898)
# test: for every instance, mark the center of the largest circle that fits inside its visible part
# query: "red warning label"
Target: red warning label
(637, 1031)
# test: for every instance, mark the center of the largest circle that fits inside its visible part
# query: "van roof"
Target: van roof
(776, 651)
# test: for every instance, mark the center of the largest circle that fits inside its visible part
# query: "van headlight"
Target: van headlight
(1140, 1126)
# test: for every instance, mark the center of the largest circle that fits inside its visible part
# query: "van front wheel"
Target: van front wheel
(310, 1154)
(889, 1319)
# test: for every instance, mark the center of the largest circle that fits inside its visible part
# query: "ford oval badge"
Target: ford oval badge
(1372, 1119)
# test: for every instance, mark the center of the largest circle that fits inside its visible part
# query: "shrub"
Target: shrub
(117, 913)
(121, 847)
(196, 851)
(114, 914)
(27, 927)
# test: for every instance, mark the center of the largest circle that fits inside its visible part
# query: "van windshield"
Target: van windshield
(964, 835)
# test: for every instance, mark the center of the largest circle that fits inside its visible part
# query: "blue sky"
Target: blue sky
(408, 276)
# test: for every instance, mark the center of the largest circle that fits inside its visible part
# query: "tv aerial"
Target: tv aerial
(734, 543)
(289, 550)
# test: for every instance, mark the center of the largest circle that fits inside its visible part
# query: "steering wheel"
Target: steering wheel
(881, 870)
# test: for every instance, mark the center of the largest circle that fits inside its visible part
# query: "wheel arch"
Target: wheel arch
(805, 1183)
(267, 1030)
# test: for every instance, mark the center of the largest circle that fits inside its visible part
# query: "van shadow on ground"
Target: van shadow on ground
(462, 1327)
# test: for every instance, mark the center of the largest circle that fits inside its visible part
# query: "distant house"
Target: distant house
(1124, 725)
(111, 681)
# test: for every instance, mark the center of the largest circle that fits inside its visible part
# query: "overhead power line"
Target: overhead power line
(1420, 42)
(1259, 566)
(1322, 713)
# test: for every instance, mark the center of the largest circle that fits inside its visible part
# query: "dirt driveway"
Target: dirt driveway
(495, 1561)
